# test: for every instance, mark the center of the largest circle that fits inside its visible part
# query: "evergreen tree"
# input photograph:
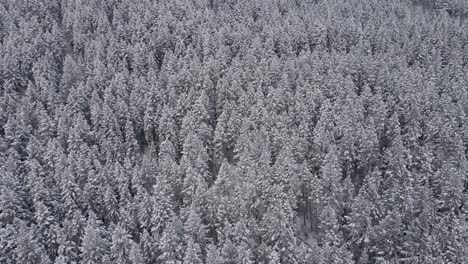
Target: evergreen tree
(136, 256)
(121, 246)
(95, 243)
(213, 255)
(28, 249)
(192, 253)
(171, 244)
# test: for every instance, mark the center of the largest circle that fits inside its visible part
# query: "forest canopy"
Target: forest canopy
(233, 131)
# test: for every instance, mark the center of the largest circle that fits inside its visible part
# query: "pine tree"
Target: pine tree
(245, 254)
(121, 246)
(331, 175)
(69, 237)
(136, 256)
(171, 243)
(229, 252)
(149, 244)
(197, 120)
(11, 198)
(8, 234)
(277, 226)
(144, 208)
(163, 206)
(95, 244)
(195, 230)
(213, 255)
(192, 253)
(194, 167)
(28, 249)
(47, 229)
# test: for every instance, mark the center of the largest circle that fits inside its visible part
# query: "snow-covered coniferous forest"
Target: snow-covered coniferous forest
(233, 131)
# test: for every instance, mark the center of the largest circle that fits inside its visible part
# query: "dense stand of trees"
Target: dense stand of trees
(236, 131)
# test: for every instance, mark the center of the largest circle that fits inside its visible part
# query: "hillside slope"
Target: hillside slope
(248, 131)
